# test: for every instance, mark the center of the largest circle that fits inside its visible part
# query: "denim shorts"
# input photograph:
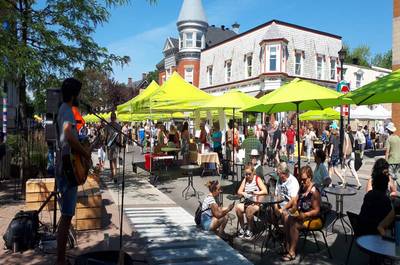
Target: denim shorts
(68, 196)
(206, 222)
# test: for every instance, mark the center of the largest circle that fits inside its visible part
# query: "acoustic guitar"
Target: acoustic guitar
(76, 167)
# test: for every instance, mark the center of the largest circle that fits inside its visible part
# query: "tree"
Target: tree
(47, 40)
(383, 60)
(153, 75)
(360, 55)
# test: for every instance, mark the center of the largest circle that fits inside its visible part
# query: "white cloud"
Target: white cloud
(144, 49)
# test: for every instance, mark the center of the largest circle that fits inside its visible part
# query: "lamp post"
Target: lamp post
(342, 56)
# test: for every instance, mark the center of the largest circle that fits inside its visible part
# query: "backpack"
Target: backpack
(22, 232)
(197, 214)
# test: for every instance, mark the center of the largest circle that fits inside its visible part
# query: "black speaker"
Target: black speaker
(53, 100)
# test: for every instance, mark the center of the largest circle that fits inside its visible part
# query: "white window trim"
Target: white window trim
(246, 73)
(210, 80)
(301, 62)
(186, 39)
(187, 67)
(201, 40)
(227, 80)
(322, 66)
(334, 68)
(278, 57)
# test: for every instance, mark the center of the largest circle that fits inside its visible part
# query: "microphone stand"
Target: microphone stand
(123, 176)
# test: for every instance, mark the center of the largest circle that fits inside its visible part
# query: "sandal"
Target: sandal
(288, 257)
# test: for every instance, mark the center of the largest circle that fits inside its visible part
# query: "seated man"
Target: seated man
(251, 185)
(286, 187)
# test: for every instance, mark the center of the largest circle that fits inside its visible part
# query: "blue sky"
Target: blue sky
(140, 29)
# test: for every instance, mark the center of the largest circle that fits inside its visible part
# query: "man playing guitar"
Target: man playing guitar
(68, 143)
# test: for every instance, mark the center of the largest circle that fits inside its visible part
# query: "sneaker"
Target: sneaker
(248, 235)
(241, 233)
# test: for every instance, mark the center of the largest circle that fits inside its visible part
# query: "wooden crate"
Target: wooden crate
(89, 205)
(36, 193)
(88, 210)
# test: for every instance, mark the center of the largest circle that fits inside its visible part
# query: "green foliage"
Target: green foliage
(42, 43)
(153, 75)
(383, 60)
(361, 53)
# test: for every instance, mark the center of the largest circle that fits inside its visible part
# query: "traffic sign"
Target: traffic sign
(344, 87)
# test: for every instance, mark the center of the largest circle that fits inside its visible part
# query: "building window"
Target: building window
(228, 70)
(210, 75)
(320, 66)
(272, 58)
(180, 41)
(199, 37)
(298, 63)
(189, 40)
(249, 65)
(189, 74)
(333, 68)
(358, 79)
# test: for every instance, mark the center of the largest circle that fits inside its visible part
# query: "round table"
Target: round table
(375, 244)
(340, 192)
(189, 169)
(232, 197)
(268, 201)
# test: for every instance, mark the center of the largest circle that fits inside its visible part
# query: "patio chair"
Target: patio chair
(312, 230)
(353, 218)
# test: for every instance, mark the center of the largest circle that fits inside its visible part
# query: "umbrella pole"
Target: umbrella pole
(233, 144)
(298, 136)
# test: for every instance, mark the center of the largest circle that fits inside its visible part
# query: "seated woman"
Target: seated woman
(376, 205)
(213, 217)
(380, 166)
(251, 185)
(303, 212)
(321, 176)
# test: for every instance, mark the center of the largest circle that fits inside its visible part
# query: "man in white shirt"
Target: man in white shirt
(287, 185)
(360, 137)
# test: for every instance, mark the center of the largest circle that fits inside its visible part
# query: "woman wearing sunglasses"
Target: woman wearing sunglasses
(301, 212)
(251, 185)
(213, 217)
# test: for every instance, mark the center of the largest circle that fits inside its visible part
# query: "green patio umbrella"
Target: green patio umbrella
(384, 90)
(320, 115)
(233, 99)
(298, 95)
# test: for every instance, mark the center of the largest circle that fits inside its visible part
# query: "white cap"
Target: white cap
(391, 127)
(254, 152)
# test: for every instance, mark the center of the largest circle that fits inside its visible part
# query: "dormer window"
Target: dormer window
(248, 64)
(320, 67)
(228, 71)
(333, 68)
(298, 64)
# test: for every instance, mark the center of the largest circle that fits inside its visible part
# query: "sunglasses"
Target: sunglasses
(248, 174)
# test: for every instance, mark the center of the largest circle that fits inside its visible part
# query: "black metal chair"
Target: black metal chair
(353, 218)
(309, 229)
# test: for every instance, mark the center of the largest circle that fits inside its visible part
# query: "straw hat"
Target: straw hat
(391, 127)
(254, 152)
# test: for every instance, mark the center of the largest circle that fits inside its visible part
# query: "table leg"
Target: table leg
(339, 216)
